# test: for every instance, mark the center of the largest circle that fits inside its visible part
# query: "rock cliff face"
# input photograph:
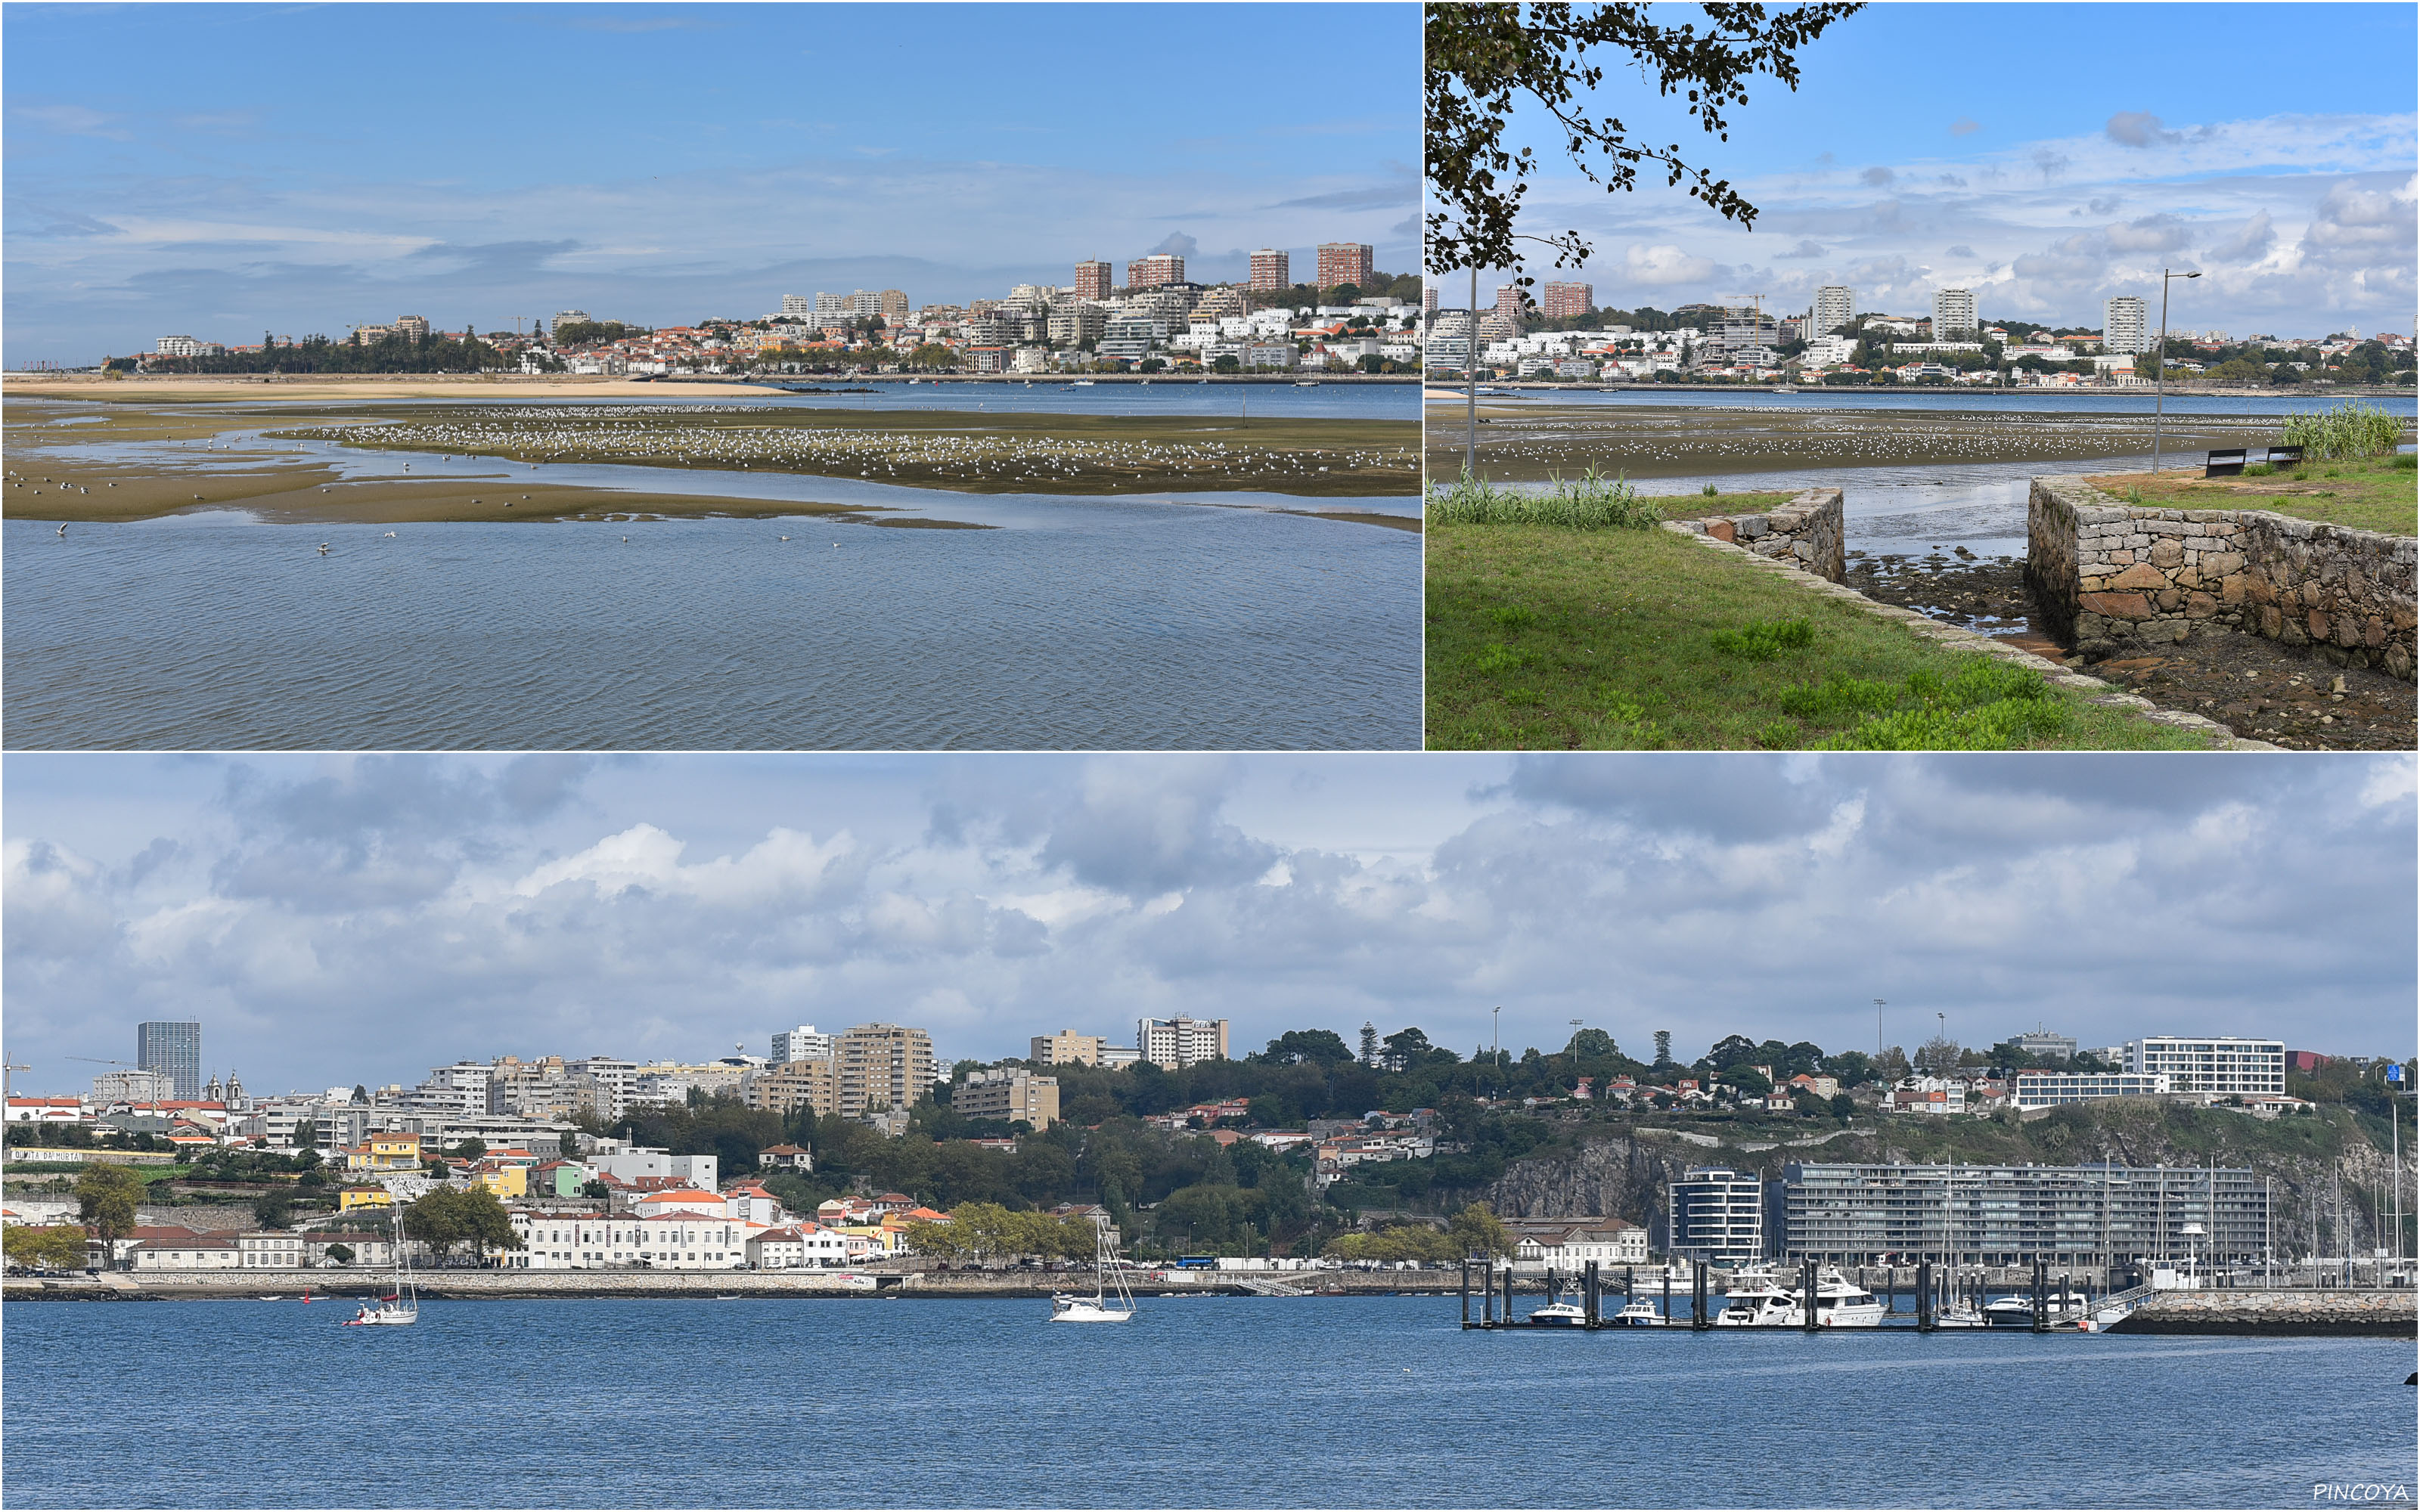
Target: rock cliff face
(1618, 1178)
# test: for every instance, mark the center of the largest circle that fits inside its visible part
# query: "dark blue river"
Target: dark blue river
(1284, 1402)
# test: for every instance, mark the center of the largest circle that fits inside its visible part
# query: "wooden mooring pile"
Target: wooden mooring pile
(1935, 1287)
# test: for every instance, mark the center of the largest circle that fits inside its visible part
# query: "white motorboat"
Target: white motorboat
(1641, 1312)
(1559, 1315)
(1839, 1303)
(400, 1306)
(2066, 1310)
(1112, 1300)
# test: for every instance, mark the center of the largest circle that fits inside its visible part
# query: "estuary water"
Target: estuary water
(1204, 1402)
(1091, 623)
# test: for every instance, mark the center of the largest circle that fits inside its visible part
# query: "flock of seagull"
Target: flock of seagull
(659, 438)
(1816, 437)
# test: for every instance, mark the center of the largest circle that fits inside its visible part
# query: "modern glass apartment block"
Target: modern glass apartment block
(175, 1051)
(1716, 1214)
(2012, 1215)
(2221, 1065)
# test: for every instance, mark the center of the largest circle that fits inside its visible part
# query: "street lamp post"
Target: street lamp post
(2160, 368)
(1470, 370)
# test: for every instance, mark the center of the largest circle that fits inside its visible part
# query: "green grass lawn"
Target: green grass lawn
(1546, 638)
(2368, 494)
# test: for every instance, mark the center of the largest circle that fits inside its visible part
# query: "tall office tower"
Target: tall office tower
(1834, 307)
(1428, 299)
(2126, 325)
(1561, 302)
(1152, 271)
(1271, 269)
(892, 303)
(1508, 302)
(1953, 314)
(1344, 262)
(175, 1050)
(1093, 281)
(798, 304)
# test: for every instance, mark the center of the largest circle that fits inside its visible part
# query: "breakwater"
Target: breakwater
(2345, 1314)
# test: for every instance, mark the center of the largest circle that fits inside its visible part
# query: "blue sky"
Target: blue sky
(2047, 156)
(333, 921)
(219, 170)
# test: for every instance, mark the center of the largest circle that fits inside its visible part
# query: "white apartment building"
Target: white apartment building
(1953, 312)
(1835, 306)
(687, 1240)
(178, 346)
(1178, 1043)
(2126, 325)
(1828, 351)
(2057, 1088)
(801, 1044)
(2216, 1065)
(628, 1165)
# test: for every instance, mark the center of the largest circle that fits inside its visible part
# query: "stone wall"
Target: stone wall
(2109, 577)
(2362, 1313)
(1807, 531)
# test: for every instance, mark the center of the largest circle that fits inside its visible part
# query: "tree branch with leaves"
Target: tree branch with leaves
(1485, 61)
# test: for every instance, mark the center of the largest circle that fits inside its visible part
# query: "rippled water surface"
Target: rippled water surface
(1081, 623)
(1199, 1402)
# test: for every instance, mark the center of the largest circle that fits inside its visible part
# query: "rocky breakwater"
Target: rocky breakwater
(2111, 577)
(2363, 1314)
(1806, 532)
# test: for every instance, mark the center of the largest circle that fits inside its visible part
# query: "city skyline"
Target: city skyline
(2058, 185)
(362, 920)
(243, 210)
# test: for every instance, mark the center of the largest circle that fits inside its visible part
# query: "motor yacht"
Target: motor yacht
(1839, 1303)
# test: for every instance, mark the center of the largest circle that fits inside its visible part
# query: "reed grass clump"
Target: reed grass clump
(2345, 430)
(1592, 502)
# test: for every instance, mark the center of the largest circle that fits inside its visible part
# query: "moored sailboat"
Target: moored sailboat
(401, 1305)
(1112, 1300)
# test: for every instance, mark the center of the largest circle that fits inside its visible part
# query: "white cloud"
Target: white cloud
(1667, 264)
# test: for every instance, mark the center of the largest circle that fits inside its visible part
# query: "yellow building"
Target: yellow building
(385, 1152)
(364, 1196)
(508, 1182)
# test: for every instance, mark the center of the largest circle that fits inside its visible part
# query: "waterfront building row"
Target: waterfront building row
(2098, 1215)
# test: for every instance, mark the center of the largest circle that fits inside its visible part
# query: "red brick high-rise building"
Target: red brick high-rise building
(1561, 302)
(1343, 262)
(1155, 270)
(1272, 268)
(1093, 281)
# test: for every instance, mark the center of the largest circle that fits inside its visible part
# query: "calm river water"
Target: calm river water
(1200, 1402)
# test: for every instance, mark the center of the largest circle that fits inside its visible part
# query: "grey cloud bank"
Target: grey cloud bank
(343, 921)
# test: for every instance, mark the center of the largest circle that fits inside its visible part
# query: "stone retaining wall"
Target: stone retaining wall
(1806, 532)
(2365, 1313)
(2109, 577)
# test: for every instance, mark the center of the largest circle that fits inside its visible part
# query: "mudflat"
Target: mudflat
(187, 454)
(1528, 443)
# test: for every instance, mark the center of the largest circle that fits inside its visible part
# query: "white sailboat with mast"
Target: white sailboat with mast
(401, 1305)
(1112, 1300)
